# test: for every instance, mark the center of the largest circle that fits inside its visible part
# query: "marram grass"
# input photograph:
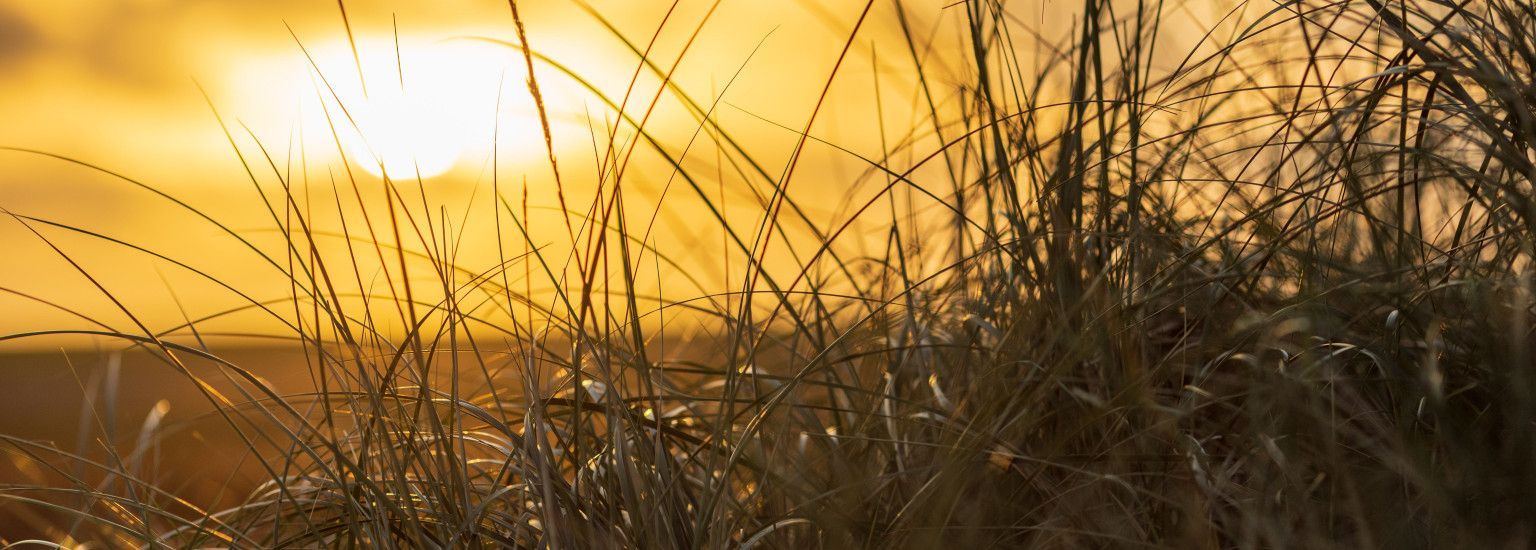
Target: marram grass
(1144, 280)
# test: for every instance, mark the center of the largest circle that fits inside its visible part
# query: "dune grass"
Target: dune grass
(1269, 289)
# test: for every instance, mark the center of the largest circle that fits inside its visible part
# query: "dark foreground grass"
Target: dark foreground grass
(1270, 289)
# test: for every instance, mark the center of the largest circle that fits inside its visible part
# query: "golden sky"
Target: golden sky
(120, 85)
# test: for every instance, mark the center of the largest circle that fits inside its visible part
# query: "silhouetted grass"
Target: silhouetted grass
(1269, 289)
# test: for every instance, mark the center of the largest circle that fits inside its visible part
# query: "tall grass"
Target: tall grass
(1261, 280)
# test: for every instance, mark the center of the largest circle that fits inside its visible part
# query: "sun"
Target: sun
(413, 108)
(407, 107)
(417, 110)
(404, 134)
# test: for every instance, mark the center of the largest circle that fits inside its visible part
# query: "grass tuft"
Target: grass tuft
(1143, 274)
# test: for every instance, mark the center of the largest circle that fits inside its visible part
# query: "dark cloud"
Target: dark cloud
(18, 38)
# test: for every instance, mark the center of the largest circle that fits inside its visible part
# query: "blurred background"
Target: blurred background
(222, 104)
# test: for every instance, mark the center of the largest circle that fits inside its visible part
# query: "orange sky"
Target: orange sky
(116, 84)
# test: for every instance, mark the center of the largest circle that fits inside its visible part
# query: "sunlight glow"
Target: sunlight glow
(404, 134)
(419, 116)
(422, 108)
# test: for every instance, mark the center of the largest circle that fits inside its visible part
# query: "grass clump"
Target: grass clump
(1264, 282)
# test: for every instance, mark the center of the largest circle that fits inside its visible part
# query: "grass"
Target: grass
(1267, 286)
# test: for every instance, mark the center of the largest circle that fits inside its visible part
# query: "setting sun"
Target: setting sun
(405, 133)
(414, 109)
(419, 106)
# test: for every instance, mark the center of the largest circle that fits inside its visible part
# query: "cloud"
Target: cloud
(19, 39)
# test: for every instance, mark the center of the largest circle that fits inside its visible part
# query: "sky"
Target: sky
(123, 117)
